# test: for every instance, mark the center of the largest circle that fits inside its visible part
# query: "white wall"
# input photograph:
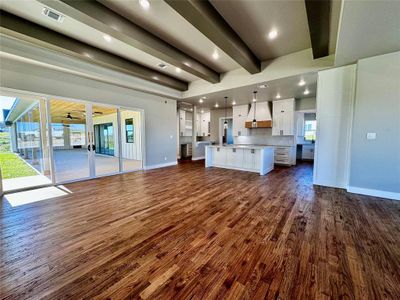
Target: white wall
(159, 113)
(335, 96)
(375, 164)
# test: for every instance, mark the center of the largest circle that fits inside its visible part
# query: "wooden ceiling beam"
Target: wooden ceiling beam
(318, 15)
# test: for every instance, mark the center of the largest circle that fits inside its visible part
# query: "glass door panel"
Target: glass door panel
(131, 148)
(24, 159)
(105, 133)
(70, 145)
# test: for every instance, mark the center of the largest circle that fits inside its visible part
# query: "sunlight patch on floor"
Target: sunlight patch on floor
(26, 197)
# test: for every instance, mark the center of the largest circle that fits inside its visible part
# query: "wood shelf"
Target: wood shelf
(260, 124)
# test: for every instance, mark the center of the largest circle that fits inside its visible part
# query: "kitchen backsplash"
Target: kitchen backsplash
(263, 136)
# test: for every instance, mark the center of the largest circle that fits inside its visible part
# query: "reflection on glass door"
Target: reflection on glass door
(104, 139)
(131, 148)
(105, 125)
(68, 127)
(24, 152)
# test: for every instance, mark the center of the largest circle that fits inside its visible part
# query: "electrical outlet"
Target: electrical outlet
(371, 135)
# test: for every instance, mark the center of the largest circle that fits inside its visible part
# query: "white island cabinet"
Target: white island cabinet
(259, 159)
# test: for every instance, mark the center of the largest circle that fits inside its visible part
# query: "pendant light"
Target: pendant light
(226, 122)
(254, 124)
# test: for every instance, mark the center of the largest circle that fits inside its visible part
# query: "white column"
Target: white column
(194, 132)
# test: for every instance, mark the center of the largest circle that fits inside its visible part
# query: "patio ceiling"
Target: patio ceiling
(60, 110)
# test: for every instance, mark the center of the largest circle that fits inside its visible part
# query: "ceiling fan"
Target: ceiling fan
(69, 117)
(83, 112)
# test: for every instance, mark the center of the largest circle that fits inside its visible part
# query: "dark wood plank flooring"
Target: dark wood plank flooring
(187, 232)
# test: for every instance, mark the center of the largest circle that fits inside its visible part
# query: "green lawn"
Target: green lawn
(4, 142)
(13, 166)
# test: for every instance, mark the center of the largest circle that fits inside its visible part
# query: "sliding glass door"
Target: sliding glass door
(69, 140)
(24, 151)
(55, 141)
(106, 140)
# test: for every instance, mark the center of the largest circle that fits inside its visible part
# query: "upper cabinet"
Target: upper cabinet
(283, 117)
(204, 126)
(240, 113)
(185, 123)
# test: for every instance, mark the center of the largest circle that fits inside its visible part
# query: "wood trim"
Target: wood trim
(260, 124)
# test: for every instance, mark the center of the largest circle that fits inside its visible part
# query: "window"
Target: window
(310, 130)
(77, 134)
(129, 132)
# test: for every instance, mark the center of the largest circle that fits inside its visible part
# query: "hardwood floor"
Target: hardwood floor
(187, 232)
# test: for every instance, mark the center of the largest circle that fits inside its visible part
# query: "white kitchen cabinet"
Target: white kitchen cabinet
(259, 159)
(283, 117)
(240, 113)
(205, 124)
(182, 123)
(220, 156)
(185, 123)
(285, 155)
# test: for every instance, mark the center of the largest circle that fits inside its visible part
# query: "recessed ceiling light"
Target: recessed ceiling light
(178, 70)
(107, 38)
(233, 102)
(263, 86)
(278, 96)
(302, 82)
(216, 105)
(201, 100)
(145, 4)
(272, 34)
(155, 77)
(204, 97)
(306, 92)
(87, 55)
(202, 111)
(215, 55)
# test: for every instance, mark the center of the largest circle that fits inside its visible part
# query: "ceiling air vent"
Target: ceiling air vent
(162, 65)
(53, 15)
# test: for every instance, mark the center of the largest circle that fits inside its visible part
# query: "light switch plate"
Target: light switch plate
(371, 135)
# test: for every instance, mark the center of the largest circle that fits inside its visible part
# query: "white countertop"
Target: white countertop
(241, 146)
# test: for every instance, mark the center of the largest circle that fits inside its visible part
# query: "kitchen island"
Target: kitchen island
(252, 158)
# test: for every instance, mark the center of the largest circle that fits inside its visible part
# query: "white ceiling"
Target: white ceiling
(32, 11)
(253, 20)
(368, 28)
(167, 24)
(287, 88)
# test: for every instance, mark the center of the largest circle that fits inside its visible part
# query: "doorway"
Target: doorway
(60, 141)
(226, 131)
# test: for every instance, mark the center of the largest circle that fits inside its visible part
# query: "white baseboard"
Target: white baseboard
(329, 183)
(169, 164)
(198, 158)
(375, 193)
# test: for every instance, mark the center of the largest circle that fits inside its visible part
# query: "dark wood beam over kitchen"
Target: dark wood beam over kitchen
(203, 16)
(100, 17)
(318, 15)
(22, 29)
